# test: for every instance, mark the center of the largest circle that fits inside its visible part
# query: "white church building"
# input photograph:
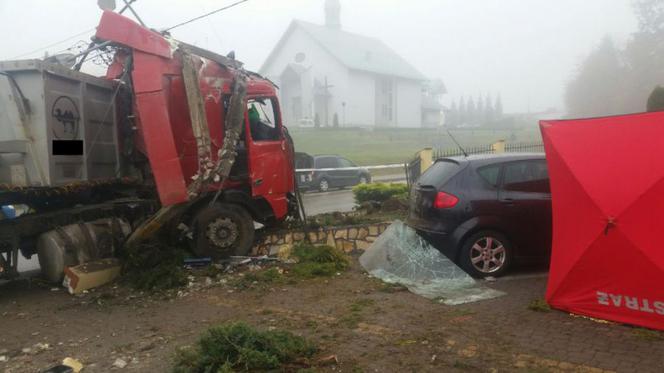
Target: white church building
(329, 76)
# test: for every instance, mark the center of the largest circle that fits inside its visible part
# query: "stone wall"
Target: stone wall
(353, 239)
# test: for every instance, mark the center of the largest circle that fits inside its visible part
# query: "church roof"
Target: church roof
(355, 51)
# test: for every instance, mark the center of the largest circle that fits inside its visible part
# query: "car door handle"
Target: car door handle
(507, 201)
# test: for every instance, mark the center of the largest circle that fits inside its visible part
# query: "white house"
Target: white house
(327, 74)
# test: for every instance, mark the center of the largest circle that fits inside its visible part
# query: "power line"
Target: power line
(207, 14)
(94, 28)
(128, 4)
(54, 44)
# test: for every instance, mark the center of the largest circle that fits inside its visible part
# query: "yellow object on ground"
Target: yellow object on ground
(91, 275)
(74, 364)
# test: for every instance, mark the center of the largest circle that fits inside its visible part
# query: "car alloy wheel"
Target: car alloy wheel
(324, 185)
(363, 180)
(488, 255)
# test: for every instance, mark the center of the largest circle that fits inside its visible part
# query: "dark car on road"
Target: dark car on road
(326, 179)
(485, 212)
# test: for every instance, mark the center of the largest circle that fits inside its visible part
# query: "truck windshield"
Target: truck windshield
(262, 119)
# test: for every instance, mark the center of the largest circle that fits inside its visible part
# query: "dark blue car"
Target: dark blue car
(327, 179)
(485, 211)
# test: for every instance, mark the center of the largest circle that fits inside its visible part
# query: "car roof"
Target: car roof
(487, 159)
(327, 156)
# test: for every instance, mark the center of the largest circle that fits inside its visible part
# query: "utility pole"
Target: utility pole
(343, 120)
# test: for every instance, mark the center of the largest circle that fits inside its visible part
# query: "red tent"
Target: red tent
(607, 184)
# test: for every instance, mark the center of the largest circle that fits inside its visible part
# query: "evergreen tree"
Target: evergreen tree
(498, 109)
(462, 118)
(479, 116)
(452, 119)
(613, 81)
(488, 110)
(471, 112)
(650, 14)
(596, 90)
(656, 99)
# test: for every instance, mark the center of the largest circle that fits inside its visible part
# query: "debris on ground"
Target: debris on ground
(401, 256)
(328, 360)
(240, 347)
(197, 262)
(154, 266)
(309, 262)
(36, 348)
(539, 305)
(74, 364)
(119, 363)
(91, 275)
(317, 261)
(648, 334)
(69, 365)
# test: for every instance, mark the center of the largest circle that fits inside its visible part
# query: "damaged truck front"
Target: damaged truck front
(173, 136)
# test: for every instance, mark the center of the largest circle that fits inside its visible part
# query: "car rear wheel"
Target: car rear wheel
(486, 253)
(323, 185)
(364, 180)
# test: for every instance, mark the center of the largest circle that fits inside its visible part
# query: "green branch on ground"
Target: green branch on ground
(154, 266)
(312, 261)
(238, 347)
(539, 305)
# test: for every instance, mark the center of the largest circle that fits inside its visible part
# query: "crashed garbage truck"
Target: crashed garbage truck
(174, 139)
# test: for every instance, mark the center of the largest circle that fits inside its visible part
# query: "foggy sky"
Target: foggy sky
(525, 49)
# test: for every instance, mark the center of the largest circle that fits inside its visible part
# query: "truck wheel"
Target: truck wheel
(222, 231)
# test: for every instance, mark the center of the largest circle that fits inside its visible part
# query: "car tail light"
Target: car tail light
(445, 201)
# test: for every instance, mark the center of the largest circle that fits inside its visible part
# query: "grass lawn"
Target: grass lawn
(372, 147)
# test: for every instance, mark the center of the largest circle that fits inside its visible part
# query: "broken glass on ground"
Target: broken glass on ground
(401, 256)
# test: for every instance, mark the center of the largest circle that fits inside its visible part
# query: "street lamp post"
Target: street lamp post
(343, 114)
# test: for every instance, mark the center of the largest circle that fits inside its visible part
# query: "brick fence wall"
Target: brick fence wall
(348, 239)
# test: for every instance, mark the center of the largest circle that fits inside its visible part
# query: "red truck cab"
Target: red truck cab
(261, 183)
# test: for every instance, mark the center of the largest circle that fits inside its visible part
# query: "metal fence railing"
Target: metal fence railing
(413, 170)
(489, 149)
(524, 148)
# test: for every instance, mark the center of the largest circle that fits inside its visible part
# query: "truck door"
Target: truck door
(270, 168)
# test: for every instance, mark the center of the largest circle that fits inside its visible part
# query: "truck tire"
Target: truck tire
(222, 231)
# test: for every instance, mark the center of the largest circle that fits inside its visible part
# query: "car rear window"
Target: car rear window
(439, 173)
(490, 174)
(327, 162)
(303, 160)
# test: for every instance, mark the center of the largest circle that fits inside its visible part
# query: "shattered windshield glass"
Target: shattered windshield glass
(401, 256)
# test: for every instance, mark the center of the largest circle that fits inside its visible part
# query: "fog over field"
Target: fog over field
(525, 50)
